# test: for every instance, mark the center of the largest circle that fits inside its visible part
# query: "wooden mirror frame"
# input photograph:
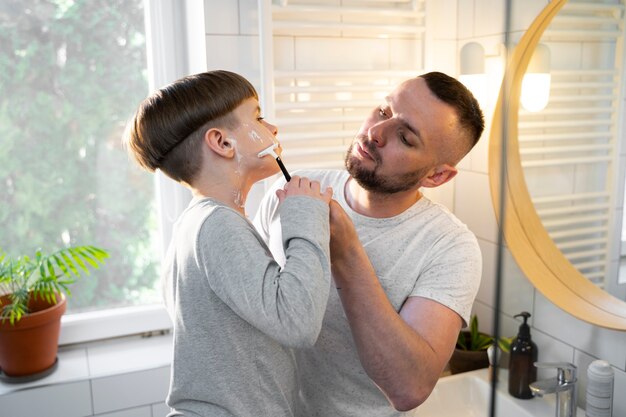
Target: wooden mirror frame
(530, 244)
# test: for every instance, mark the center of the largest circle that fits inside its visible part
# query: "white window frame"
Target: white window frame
(176, 46)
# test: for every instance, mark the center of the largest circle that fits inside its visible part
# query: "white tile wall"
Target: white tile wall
(489, 17)
(517, 292)
(105, 358)
(487, 288)
(241, 55)
(472, 204)
(558, 335)
(222, 17)
(126, 390)
(132, 412)
(62, 400)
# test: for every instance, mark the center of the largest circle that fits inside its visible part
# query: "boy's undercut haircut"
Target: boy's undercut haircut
(170, 124)
(452, 92)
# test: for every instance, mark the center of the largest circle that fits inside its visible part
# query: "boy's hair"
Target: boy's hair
(169, 125)
(454, 93)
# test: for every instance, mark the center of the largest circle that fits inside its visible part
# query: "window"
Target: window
(71, 74)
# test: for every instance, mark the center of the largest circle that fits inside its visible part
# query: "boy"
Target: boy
(235, 311)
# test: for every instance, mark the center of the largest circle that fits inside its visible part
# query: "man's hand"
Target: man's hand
(344, 240)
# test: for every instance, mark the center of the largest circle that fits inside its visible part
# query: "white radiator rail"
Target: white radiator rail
(318, 104)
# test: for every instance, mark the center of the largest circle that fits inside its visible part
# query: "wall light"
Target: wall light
(472, 71)
(482, 75)
(536, 83)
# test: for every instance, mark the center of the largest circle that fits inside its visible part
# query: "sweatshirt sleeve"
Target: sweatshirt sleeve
(286, 304)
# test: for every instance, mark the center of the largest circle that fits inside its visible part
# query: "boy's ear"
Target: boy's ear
(441, 175)
(218, 142)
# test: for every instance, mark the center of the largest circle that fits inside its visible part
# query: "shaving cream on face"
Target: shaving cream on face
(254, 136)
(237, 197)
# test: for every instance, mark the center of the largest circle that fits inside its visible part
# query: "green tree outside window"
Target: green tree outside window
(71, 74)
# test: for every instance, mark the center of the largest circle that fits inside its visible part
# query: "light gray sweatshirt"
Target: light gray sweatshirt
(236, 312)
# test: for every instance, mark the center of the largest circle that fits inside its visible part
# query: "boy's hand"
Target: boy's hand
(304, 186)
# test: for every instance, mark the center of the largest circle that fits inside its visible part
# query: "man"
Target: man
(391, 326)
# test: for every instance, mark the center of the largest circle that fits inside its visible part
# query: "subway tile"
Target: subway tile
(443, 29)
(609, 345)
(619, 388)
(127, 355)
(130, 412)
(406, 54)
(489, 17)
(248, 17)
(160, 410)
(129, 390)
(239, 54)
(523, 13)
(478, 157)
(549, 349)
(582, 361)
(486, 291)
(444, 57)
(221, 17)
(284, 53)
(517, 293)
(485, 314)
(62, 400)
(472, 204)
(465, 18)
(444, 194)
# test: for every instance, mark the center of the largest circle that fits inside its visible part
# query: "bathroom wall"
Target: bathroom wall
(232, 43)
(559, 336)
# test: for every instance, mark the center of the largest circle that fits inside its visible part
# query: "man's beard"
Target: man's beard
(371, 180)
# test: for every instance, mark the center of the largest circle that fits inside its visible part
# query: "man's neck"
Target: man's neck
(378, 205)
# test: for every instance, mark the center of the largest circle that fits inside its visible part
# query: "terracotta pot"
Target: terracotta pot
(30, 345)
(468, 360)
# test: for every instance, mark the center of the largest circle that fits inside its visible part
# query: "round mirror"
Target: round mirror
(558, 179)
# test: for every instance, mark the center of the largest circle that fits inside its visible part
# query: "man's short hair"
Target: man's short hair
(452, 92)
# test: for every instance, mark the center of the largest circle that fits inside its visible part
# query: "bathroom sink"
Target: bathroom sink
(468, 394)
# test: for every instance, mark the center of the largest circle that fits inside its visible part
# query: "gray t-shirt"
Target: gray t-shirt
(236, 311)
(423, 252)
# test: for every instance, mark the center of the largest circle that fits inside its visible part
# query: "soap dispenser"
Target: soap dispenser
(522, 360)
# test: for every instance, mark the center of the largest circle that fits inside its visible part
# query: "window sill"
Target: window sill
(107, 324)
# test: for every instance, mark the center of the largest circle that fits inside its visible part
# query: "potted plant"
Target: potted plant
(32, 302)
(471, 349)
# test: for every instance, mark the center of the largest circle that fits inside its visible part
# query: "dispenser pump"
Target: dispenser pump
(522, 369)
(524, 329)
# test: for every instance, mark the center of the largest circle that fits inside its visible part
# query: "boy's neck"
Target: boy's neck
(229, 190)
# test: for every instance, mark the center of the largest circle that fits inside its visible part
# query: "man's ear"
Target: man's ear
(441, 175)
(219, 143)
